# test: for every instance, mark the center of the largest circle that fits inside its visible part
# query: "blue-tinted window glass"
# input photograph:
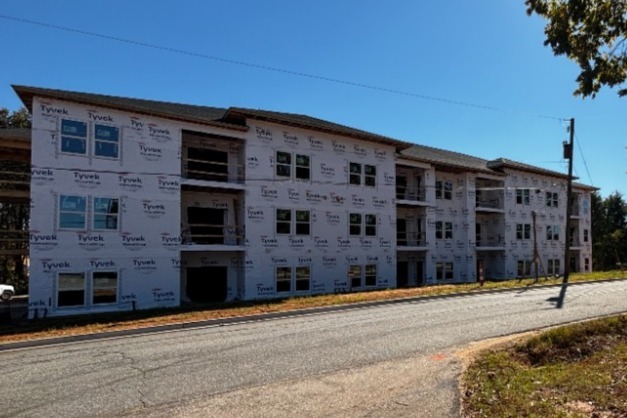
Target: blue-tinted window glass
(105, 213)
(73, 145)
(106, 149)
(107, 133)
(106, 141)
(72, 212)
(72, 127)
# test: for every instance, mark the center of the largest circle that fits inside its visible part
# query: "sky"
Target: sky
(470, 77)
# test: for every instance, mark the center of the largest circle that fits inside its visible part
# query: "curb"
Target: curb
(266, 317)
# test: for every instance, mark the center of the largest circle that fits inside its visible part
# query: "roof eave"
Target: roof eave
(27, 94)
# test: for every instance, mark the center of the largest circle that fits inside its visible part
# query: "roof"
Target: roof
(501, 163)
(231, 118)
(449, 159)
(191, 113)
(586, 187)
(308, 122)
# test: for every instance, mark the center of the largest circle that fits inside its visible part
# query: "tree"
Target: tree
(18, 119)
(14, 216)
(609, 231)
(592, 33)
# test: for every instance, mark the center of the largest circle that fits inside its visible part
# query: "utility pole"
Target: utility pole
(568, 153)
(536, 256)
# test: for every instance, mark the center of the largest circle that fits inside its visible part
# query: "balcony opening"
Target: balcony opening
(207, 164)
(206, 225)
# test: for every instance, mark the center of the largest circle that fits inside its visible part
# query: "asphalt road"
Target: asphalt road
(388, 360)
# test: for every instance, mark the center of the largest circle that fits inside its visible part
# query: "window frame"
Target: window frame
(283, 222)
(71, 136)
(370, 178)
(282, 279)
(105, 141)
(355, 272)
(444, 230)
(552, 199)
(523, 232)
(444, 270)
(94, 288)
(93, 143)
(82, 289)
(523, 197)
(552, 232)
(523, 268)
(292, 225)
(107, 215)
(354, 177)
(444, 190)
(62, 211)
(299, 280)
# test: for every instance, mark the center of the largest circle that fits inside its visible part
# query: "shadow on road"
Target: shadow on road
(559, 300)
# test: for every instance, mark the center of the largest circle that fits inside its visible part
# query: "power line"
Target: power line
(583, 157)
(272, 69)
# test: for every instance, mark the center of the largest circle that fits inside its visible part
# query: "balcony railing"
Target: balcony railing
(413, 195)
(404, 239)
(212, 234)
(213, 171)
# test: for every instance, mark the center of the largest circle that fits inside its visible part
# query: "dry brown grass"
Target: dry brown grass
(59, 327)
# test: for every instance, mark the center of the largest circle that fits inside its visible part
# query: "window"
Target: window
(283, 221)
(73, 137)
(444, 190)
(105, 213)
(371, 225)
(524, 268)
(283, 279)
(106, 139)
(105, 287)
(553, 232)
(354, 224)
(444, 271)
(71, 290)
(522, 196)
(523, 231)
(302, 222)
(302, 225)
(552, 199)
(443, 230)
(283, 164)
(586, 264)
(553, 266)
(586, 236)
(371, 275)
(354, 276)
(354, 173)
(370, 175)
(302, 165)
(303, 278)
(72, 212)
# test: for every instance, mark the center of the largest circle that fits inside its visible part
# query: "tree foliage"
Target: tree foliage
(17, 119)
(593, 33)
(609, 231)
(14, 216)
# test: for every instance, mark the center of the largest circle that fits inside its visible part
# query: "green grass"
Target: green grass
(573, 371)
(97, 323)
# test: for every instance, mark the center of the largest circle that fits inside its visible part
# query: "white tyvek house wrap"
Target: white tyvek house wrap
(144, 250)
(329, 249)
